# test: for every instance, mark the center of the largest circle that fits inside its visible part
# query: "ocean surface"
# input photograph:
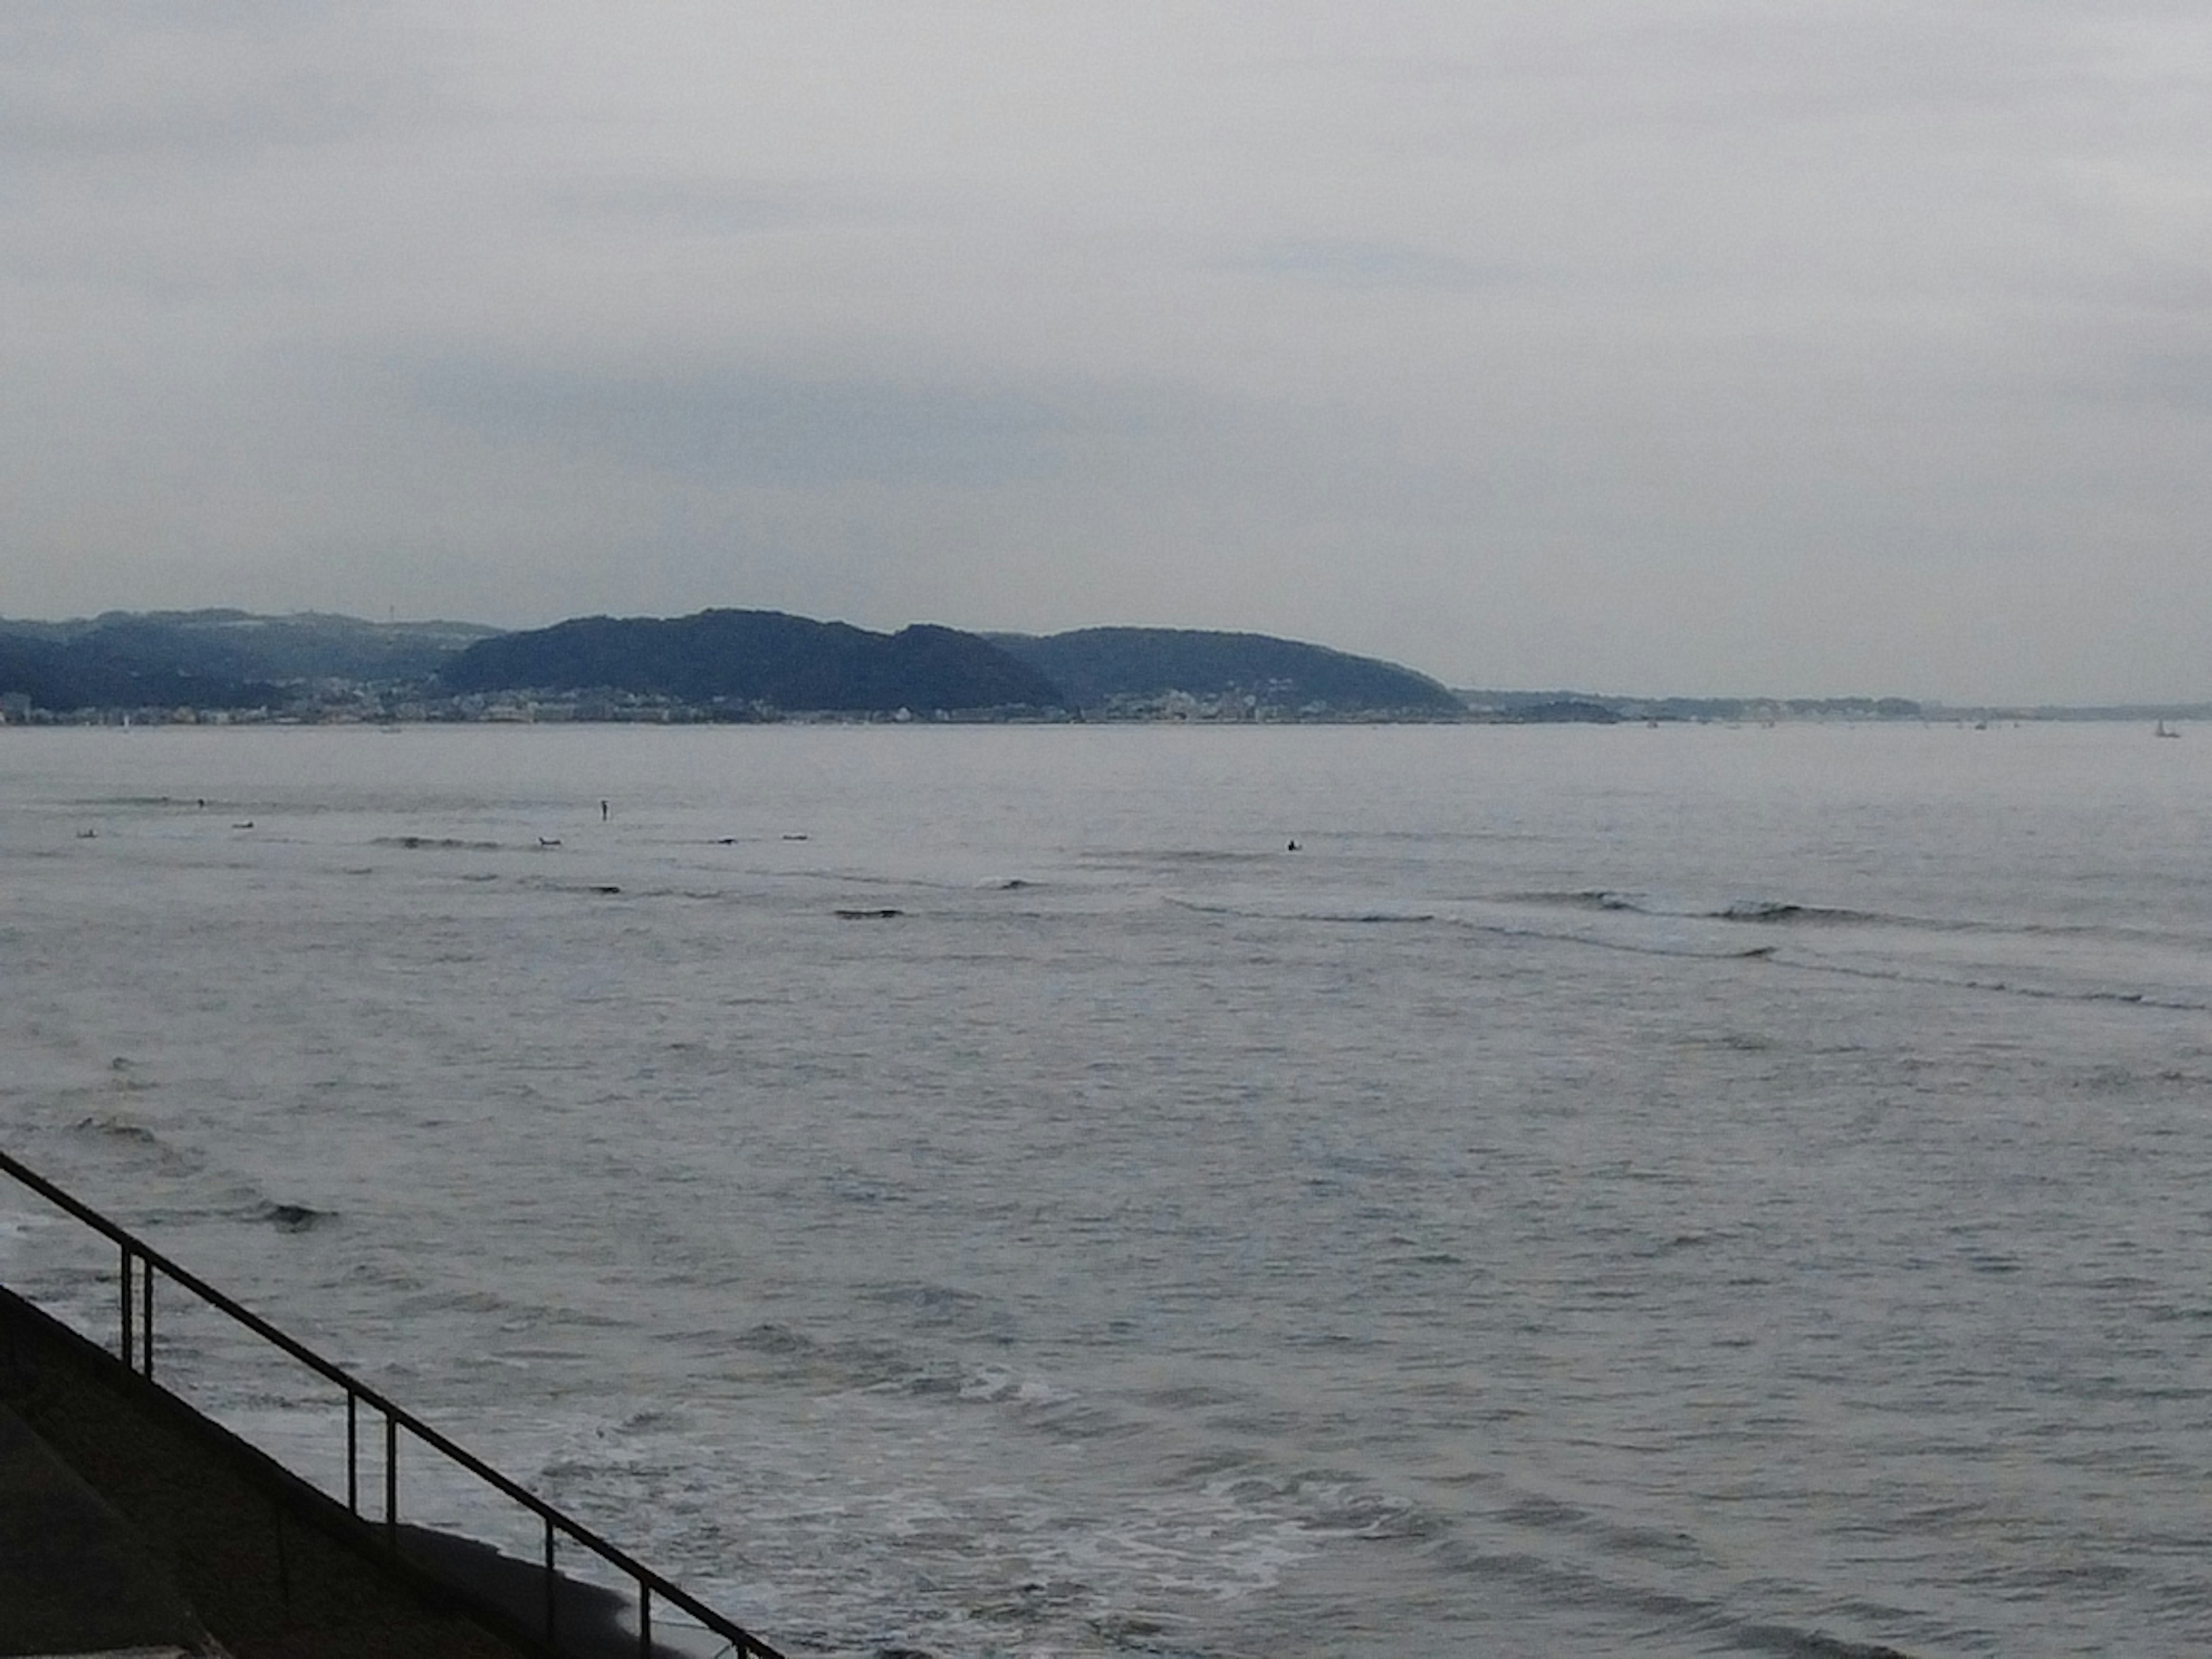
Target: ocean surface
(1686, 1191)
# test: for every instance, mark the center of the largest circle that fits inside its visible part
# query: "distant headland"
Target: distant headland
(234, 667)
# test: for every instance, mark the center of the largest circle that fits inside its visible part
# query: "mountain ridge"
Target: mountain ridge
(764, 659)
(323, 666)
(1134, 668)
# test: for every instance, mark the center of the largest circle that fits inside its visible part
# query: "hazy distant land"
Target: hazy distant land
(229, 666)
(733, 665)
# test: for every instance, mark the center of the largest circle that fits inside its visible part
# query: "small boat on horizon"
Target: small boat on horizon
(2162, 730)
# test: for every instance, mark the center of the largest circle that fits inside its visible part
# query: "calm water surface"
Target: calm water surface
(1611, 1191)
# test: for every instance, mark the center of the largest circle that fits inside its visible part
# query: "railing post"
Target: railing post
(129, 1363)
(146, 1288)
(551, 1581)
(392, 1482)
(644, 1621)
(353, 1452)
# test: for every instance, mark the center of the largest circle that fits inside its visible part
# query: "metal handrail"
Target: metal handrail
(136, 1352)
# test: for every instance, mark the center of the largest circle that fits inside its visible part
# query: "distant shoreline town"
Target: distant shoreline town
(236, 668)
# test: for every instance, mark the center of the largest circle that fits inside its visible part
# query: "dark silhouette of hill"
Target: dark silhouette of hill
(1095, 666)
(237, 646)
(761, 657)
(66, 676)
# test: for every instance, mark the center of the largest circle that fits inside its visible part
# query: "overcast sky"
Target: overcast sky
(1770, 345)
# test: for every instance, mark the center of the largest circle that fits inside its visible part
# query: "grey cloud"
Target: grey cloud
(1358, 263)
(84, 82)
(713, 207)
(754, 426)
(2178, 378)
(1753, 63)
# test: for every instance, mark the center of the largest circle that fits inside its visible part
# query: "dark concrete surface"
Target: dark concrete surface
(73, 1577)
(129, 1519)
(273, 1569)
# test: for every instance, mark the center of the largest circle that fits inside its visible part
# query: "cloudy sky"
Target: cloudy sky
(1773, 345)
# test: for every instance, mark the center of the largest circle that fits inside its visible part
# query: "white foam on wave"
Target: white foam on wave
(868, 1520)
(995, 1383)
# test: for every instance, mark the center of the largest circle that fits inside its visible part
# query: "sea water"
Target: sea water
(977, 1190)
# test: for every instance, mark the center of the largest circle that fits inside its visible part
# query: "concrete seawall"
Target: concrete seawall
(129, 1519)
(74, 1575)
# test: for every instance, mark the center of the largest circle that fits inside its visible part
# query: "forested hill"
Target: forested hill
(63, 675)
(209, 658)
(228, 646)
(757, 657)
(1098, 666)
